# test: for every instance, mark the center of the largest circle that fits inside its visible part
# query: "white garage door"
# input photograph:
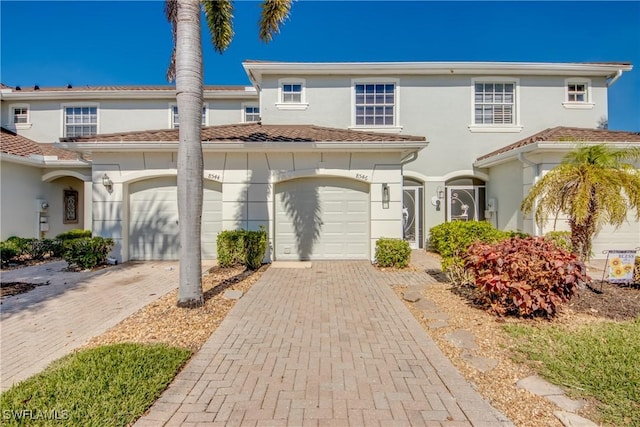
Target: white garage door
(322, 218)
(627, 237)
(153, 219)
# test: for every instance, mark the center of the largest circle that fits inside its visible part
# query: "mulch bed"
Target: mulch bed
(16, 288)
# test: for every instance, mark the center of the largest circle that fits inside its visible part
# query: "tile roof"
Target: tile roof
(563, 134)
(12, 143)
(117, 88)
(253, 132)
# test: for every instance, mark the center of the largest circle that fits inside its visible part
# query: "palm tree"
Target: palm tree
(186, 68)
(594, 185)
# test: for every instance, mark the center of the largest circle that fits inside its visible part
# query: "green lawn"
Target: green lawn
(600, 360)
(106, 386)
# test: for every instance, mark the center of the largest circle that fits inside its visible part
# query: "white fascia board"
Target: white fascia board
(255, 70)
(545, 146)
(41, 161)
(241, 146)
(124, 95)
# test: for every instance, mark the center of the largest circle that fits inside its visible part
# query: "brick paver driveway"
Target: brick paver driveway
(327, 345)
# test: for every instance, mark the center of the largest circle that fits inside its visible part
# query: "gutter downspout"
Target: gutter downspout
(536, 174)
(616, 77)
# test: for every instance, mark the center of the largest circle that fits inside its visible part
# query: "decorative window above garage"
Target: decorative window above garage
(495, 105)
(577, 94)
(292, 94)
(375, 105)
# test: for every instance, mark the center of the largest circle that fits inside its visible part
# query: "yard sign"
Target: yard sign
(620, 265)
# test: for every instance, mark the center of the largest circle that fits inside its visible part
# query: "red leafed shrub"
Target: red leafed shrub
(524, 277)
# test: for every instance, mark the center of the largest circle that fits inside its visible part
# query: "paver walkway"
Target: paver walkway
(326, 345)
(51, 321)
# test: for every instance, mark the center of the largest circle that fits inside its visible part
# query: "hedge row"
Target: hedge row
(242, 247)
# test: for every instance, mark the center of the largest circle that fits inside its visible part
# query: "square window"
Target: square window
(81, 121)
(493, 103)
(374, 104)
(175, 117)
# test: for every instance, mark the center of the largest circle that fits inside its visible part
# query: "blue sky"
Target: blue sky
(52, 43)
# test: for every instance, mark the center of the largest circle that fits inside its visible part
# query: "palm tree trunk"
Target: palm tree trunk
(190, 161)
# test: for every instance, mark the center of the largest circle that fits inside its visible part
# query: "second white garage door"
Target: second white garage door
(322, 218)
(153, 219)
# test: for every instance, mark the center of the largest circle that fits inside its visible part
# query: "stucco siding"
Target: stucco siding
(20, 187)
(505, 186)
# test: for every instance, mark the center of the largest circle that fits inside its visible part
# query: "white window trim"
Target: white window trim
(396, 128)
(577, 105)
(244, 105)
(174, 104)
(302, 105)
(18, 126)
(78, 104)
(496, 128)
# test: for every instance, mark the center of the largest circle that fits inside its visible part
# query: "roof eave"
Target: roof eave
(255, 70)
(542, 146)
(121, 94)
(41, 161)
(242, 146)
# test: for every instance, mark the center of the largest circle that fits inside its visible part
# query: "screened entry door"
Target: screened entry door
(411, 214)
(465, 203)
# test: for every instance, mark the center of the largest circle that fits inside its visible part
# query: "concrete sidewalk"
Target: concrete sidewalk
(330, 345)
(51, 321)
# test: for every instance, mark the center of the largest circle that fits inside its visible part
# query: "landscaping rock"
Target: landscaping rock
(411, 296)
(538, 386)
(437, 325)
(572, 420)
(482, 364)
(566, 403)
(462, 339)
(426, 305)
(232, 294)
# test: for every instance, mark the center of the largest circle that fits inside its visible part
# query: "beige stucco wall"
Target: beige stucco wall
(20, 187)
(247, 181)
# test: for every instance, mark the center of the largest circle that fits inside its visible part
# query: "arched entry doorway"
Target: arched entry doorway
(465, 199)
(412, 212)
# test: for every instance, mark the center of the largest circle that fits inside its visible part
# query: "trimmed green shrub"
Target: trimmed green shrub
(242, 247)
(524, 277)
(561, 239)
(87, 252)
(8, 251)
(451, 240)
(73, 234)
(20, 243)
(392, 253)
(37, 249)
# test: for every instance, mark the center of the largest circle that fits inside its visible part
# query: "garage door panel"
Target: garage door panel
(332, 216)
(153, 219)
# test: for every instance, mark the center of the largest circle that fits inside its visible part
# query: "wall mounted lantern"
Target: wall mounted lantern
(108, 184)
(385, 196)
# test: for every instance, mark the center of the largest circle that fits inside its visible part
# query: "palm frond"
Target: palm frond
(219, 17)
(171, 12)
(274, 13)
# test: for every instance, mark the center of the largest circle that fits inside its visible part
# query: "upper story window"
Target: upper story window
(291, 94)
(375, 104)
(175, 117)
(495, 106)
(19, 116)
(577, 93)
(494, 103)
(251, 113)
(80, 121)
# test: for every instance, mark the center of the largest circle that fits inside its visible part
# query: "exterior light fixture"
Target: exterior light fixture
(440, 193)
(385, 196)
(108, 184)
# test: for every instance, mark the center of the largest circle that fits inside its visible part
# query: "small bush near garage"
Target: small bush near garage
(524, 277)
(451, 240)
(242, 247)
(8, 251)
(87, 252)
(392, 253)
(73, 234)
